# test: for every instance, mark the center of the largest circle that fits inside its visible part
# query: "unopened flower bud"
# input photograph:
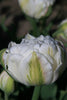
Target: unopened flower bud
(6, 83)
(36, 8)
(35, 61)
(61, 33)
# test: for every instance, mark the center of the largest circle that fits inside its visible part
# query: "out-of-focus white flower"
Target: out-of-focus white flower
(36, 8)
(35, 61)
(6, 83)
(61, 33)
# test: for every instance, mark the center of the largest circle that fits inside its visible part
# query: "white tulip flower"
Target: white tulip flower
(35, 61)
(35, 8)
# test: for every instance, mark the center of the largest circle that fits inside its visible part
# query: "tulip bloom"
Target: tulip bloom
(6, 83)
(35, 61)
(61, 33)
(36, 8)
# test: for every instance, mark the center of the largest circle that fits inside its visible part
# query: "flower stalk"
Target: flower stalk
(5, 96)
(36, 93)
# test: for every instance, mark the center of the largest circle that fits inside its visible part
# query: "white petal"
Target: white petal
(47, 68)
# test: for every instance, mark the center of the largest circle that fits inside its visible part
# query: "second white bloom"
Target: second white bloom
(35, 8)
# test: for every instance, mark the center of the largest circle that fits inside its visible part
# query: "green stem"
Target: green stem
(36, 93)
(6, 96)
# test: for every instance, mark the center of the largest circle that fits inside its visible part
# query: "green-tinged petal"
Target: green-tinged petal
(61, 33)
(35, 71)
(63, 26)
(9, 86)
(24, 2)
(58, 32)
(1, 57)
(6, 83)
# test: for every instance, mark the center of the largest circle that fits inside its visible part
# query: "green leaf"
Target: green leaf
(49, 11)
(47, 29)
(5, 29)
(36, 93)
(65, 44)
(16, 93)
(48, 92)
(63, 95)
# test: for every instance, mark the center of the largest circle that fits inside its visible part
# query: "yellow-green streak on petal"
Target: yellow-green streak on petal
(23, 3)
(1, 57)
(35, 71)
(50, 51)
(41, 9)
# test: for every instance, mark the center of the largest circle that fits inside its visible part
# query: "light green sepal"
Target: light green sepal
(9, 88)
(6, 83)
(1, 57)
(35, 76)
(49, 11)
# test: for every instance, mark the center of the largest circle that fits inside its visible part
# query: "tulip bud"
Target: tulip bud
(6, 83)
(36, 8)
(35, 61)
(61, 33)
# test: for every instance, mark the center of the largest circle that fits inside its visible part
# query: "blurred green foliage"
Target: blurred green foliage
(48, 92)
